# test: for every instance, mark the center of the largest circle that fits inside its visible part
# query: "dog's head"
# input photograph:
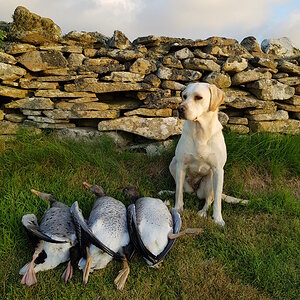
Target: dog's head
(198, 98)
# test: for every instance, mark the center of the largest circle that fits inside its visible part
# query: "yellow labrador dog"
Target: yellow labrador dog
(200, 156)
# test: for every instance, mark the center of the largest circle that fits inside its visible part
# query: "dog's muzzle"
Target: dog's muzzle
(181, 111)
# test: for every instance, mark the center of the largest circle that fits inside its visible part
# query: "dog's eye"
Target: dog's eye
(198, 97)
(184, 97)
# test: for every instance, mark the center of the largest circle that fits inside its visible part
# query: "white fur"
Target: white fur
(200, 155)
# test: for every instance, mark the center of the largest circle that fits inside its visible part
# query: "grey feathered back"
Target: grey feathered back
(111, 212)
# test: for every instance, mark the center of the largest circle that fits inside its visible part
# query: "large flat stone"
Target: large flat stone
(238, 121)
(37, 85)
(33, 103)
(102, 61)
(227, 50)
(178, 74)
(82, 114)
(10, 72)
(290, 80)
(288, 67)
(241, 129)
(235, 64)
(11, 92)
(105, 87)
(250, 75)
(289, 107)
(7, 58)
(172, 85)
(278, 115)
(61, 94)
(123, 55)
(270, 89)
(82, 106)
(287, 126)
(143, 66)
(218, 79)
(37, 61)
(31, 123)
(201, 64)
(172, 62)
(281, 47)
(30, 28)
(124, 77)
(295, 100)
(152, 128)
(46, 120)
(15, 118)
(244, 100)
(150, 112)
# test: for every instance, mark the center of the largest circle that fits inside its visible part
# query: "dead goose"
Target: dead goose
(152, 228)
(54, 240)
(104, 236)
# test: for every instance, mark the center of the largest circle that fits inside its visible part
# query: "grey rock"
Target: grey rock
(270, 89)
(219, 79)
(120, 41)
(235, 64)
(184, 53)
(201, 64)
(177, 74)
(282, 47)
(250, 75)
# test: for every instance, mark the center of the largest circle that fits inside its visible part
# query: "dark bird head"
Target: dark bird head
(96, 189)
(132, 193)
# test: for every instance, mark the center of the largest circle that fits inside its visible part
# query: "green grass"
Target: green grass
(255, 256)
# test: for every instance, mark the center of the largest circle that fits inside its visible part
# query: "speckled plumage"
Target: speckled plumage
(57, 234)
(57, 222)
(108, 222)
(154, 223)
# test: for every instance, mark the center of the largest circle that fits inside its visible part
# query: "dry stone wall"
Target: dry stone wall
(87, 81)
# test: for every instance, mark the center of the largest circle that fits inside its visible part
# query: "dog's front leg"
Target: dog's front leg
(180, 177)
(218, 178)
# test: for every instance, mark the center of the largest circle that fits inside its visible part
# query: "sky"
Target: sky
(195, 19)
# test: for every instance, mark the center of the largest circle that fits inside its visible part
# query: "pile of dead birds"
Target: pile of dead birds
(111, 231)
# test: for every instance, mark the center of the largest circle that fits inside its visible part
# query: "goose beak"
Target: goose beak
(35, 192)
(87, 185)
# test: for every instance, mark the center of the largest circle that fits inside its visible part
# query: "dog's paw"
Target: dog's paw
(219, 221)
(202, 213)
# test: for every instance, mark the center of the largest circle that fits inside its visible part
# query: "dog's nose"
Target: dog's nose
(181, 109)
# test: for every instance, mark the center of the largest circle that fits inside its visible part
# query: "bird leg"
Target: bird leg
(122, 276)
(29, 277)
(68, 273)
(195, 231)
(87, 267)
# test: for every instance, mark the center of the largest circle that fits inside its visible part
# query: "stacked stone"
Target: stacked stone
(89, 80)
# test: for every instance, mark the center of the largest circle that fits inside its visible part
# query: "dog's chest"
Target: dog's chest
(196, 166)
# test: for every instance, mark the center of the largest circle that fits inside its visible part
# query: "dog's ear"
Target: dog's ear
(217, 97)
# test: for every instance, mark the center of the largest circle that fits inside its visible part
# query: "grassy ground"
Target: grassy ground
(255, 256)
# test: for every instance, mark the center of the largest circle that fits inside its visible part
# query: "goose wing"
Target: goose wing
(33, 229)
(86, 231)
(135, 236)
